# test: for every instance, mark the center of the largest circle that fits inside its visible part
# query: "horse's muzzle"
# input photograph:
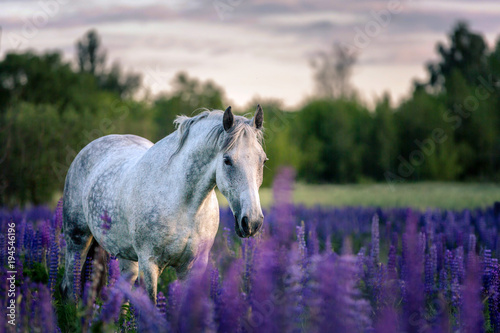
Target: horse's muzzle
(247, 228)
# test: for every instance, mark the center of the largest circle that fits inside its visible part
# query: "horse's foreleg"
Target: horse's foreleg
(149, 271)
(129, 270)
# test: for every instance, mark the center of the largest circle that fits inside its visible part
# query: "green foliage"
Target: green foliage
(277, 136)
(68, 314)
(42, 79)
(188, 94)
(332, 135)
(37, 273)
(466, 53)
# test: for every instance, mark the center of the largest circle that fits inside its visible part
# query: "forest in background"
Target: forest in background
(447, 129)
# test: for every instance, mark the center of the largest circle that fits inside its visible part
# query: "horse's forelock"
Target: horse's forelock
(217, 135)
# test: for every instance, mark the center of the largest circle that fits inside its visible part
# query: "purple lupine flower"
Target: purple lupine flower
(226, 234)
(26, 305)
(422, 244)
(149, 319)
(301, 238)
(19, 266)
(295, 289)
(111, 309)
(77, 277)
(395, 239)
(21, 232)
(456, 293)
(248, 252)
(89, 262)
(175, 291)
(444, 280)
(429, 226)
(197, 309)
(282, 194)
(45, 234)
(338, 305)
(391, 264)
(29, 235)
(37, 247)
(313, 241)
(429, 275)
(472, 244)
(45, 309)
(54, 266)
(87, 292)
(62, 243)
(414, 263)
(472, 307)
(487, 270)
(230, 305)
(113, 270)
(494, 299)
(387, 321)
(434, 259)
(2, 251)
(267, 277)
(214, 284)
(360, 262)
(459, 263)
(58, 217)
(375, 249)
(161, 303)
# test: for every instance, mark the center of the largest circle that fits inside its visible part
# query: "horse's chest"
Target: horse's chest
(172, 240)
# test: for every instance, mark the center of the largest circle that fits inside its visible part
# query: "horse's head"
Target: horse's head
(239, 171)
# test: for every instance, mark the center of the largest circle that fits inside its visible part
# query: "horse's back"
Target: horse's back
(99, 156)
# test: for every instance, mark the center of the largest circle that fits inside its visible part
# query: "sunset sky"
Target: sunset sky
(251, 47)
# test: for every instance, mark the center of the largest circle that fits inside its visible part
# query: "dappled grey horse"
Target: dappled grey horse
(160, 197)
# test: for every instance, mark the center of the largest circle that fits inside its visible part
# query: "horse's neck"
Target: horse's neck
(193, 166)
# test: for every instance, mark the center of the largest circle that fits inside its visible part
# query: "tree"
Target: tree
(42, 79)
(332, 136)
(383, 147)
(466, 53)
(92, 60)
(124, 85)
(278, 144)
(91, 55)
(332, 72)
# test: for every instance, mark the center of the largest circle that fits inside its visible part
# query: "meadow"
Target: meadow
(311, 269)
(420, 195)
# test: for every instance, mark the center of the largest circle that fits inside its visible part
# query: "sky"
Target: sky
(252, 48)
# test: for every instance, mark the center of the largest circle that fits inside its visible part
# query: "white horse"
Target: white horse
(160, 197)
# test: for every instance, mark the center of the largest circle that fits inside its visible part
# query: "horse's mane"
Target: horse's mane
(217, 135)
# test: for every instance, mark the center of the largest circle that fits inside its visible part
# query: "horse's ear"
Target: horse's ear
(227, 119)
(258, 119)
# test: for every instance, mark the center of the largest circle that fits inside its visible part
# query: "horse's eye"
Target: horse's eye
(227, 161)
(266, 160)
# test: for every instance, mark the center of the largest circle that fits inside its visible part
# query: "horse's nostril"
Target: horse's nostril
(244, 225)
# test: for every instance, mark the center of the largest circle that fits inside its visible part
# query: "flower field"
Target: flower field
(309, 270)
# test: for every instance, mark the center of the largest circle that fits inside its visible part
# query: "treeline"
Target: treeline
(448, 129)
